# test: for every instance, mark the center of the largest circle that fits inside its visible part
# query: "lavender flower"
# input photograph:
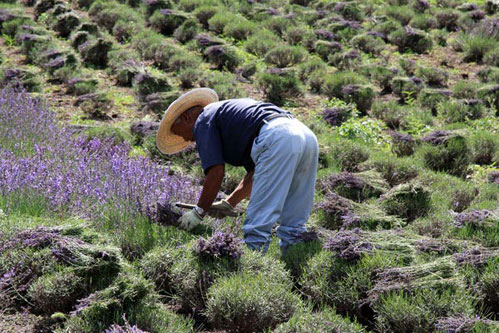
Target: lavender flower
(475, 218)
(127, 328)
(348, 244)
(91, 177)
(221, 244)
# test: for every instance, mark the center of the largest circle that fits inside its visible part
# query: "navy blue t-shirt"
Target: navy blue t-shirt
(225, 130)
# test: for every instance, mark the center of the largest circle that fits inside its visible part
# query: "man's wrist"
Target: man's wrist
(199, 210)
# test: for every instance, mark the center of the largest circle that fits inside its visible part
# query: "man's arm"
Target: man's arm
(243, 190)
(211, 186)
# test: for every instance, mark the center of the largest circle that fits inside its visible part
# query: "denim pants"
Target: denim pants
(285, 154)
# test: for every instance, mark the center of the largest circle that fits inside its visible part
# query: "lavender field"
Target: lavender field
(403, 96)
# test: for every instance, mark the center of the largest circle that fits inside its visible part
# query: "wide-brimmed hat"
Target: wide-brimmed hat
(169, 143)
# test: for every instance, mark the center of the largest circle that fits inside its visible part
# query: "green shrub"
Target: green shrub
(221, 19)
(261, 42)
(403, 144)
(484, 146)
(187, 31)
(413, 39)
(166, 21)
(348, 154)
(278, 85)
(326, 320)
(488, 286)
(150, 81)
(223, 57)
(368, 44)
(12, 27)
(301, 35)
(409, 201)
(365, 129)
(453, 156)
(306, 68)
(406, 88)
(490, 94)
(491, 58)
(204, 14)
(284, 56)
(80, 87)
(107, 13)
(387, 27)
(249, 303)
(418, 311)
(424, 22)
(433, 76)
(124, 31)
(476, 46)
(465, 90)
(239, 29)
(56, 292)
(183, 60)
(277, 24)
(334, 83)
(431, 98)
(350, 11)
(391, 113)
(488, 75)
(381, 74)
(225, 84)
(343, 284)
(325, 49)
(455, 111)
(403, 14)
(94, 52)
(155, 5)
(447, 18)
(157, 266)
(26, 77)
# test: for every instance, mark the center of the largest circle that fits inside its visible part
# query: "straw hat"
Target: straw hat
(169, 143)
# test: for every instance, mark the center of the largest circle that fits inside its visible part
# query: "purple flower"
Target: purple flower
(348, 244)
(221, 244)
(94, 178)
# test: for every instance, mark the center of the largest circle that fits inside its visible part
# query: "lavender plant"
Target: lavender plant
(75, 175)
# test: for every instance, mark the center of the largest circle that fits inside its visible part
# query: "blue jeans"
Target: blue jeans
(285, 154)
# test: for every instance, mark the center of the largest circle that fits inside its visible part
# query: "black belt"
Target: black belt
(269, 118)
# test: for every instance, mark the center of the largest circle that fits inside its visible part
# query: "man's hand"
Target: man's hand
(221, 209)
(190, 220)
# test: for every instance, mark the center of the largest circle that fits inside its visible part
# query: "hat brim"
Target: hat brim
(168, 142)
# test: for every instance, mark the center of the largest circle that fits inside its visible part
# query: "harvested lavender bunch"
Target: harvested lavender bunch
(437, 137)
(221, 244)
(476, 257)
(430, 245)
(493, 177)
(460, 324)
(334, 207)
(348, 244)
(336, 115)
(475, 218)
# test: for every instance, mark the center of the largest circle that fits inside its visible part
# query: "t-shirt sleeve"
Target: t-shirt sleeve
(209, 145)
(249, 167)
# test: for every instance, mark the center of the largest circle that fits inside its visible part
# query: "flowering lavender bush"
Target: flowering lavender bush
(90, 177)
(221, 244)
